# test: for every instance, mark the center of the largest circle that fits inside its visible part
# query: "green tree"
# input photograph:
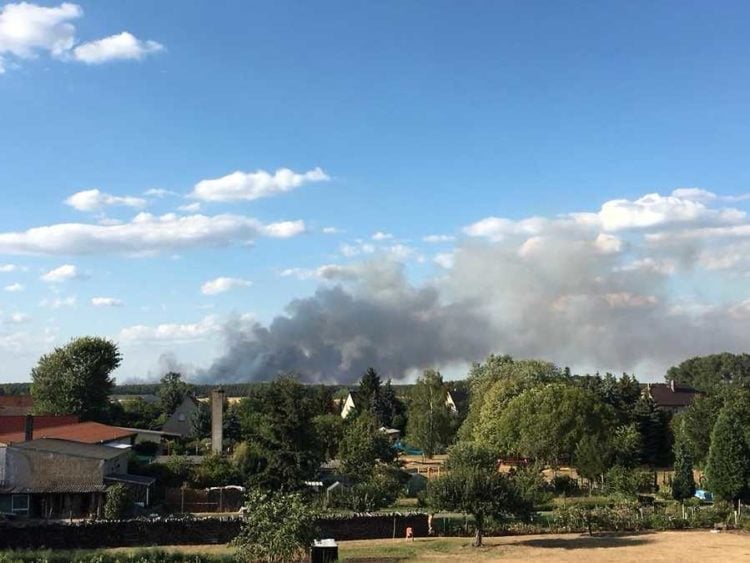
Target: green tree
(369, 395)
(117, 503)
(362, 447)
(75, 379)
(215, 471)
(172, 391)
(276, 420)
(545, 423)
(393, 409)
(683, 483)
(329, 429)
(696, 424)
(482, 494)
(728, 457)
(591, 458)
(277, 528)
(429, 425)
(494, 384)
(656, 433)
(470, 455)
(711, 373)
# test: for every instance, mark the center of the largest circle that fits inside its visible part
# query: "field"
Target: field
(685, 546)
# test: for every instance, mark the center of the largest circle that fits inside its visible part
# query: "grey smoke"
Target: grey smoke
(558, 296)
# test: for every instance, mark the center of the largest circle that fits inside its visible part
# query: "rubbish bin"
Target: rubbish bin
(324, 551)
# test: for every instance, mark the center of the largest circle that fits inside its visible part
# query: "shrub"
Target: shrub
(118, 502)
(278, 527)
(565, 485)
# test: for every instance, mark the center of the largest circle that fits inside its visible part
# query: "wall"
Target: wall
(195, 531)
(29, 468)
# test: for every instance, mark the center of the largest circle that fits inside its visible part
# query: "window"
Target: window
(20, 504)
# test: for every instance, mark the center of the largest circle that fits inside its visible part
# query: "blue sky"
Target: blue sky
(410, 119)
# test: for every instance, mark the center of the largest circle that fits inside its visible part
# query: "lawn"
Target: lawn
(684, 546)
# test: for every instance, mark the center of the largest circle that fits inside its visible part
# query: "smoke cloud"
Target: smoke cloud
(636, 287)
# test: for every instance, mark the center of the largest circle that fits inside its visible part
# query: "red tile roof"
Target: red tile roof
(13, 423)
(84, 432)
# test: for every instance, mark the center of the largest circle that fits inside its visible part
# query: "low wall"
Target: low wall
(195, 531)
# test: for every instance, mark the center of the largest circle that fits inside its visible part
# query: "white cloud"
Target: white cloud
(121, 47)
(18, 318)
(172, 332)
(159, 192)
(380, 235)
(63, 273)
(498, 228)
(28, 30)
(433, 239)
(661, 267)
(223, 284)
(58, 302)
(444, 260)
(106, 302)
(608, 244)
(654, 210)
(331, 231)
(6, 268)
(94, 200)
(697, 194)
(146, 233)
(284, 229)
(190, 207)
(14, 287)
(247, 186)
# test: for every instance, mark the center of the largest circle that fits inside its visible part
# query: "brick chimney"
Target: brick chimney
(217, 420)
(28, 428)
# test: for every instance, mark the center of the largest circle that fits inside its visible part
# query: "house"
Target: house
(143, 435)
(82, 432)
(349, 404)
(671, 396)
(16, 405)
(457, 401)
(181, 421)
(53, 478)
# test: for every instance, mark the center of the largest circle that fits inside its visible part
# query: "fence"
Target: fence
(188, 531)
(224, 499)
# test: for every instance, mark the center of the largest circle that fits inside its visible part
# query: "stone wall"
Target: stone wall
(195, 531)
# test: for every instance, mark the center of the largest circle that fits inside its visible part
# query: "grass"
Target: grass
(700, 545)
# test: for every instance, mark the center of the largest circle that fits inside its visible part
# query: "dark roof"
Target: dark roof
(668, 395)
(84, 432)
(131, 479)
(56, 487)
(66, 447)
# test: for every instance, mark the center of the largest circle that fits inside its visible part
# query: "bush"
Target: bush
(278, 527)
(628, 482)
(118, 502)
(148, 448)
(368, 496)
(565, 485)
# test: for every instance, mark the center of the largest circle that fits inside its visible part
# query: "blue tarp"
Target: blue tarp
(704, 495)
(407, 449)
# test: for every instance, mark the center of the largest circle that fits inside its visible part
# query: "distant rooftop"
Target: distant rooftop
(67, 447)
(84, 432)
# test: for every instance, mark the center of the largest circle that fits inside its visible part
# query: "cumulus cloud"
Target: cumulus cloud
(146, 233)
(60, 274)
(106, 302)
(14, 287)
(121, 47)
(29, 30)
(380, 235)
(171, 333)
(94, 200)
(248, 186)
(6, 268)
(223, 284)
(434, 239)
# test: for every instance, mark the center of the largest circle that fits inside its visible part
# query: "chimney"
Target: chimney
(28, 428)
(217, 420)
